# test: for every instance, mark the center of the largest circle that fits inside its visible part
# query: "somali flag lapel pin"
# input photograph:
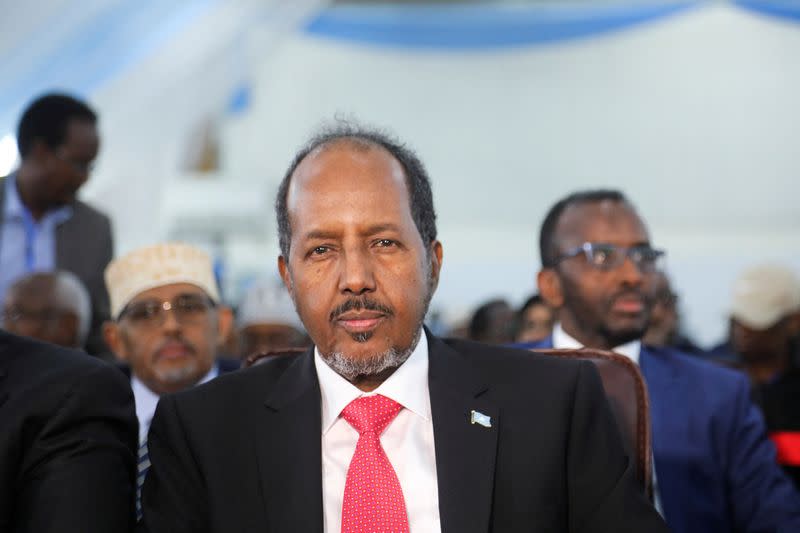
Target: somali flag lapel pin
(479, 418)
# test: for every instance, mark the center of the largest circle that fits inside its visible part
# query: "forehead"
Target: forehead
(166, 292)
(37, 289)
(605, 221)
(348, 183)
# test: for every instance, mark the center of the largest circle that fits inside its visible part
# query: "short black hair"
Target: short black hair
(535, 299)
(548, 247)
(489, 322)
(47, 117)
(418, 183)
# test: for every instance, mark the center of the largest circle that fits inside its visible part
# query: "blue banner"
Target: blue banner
(786, 9)
(482, 26)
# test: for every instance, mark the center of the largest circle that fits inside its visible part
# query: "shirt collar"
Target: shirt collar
(408, 386)
(13, 207)
(562, 339)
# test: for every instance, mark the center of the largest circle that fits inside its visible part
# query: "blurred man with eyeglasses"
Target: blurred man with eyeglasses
(43, 226)
(715, 469)
(50, 306)
(167, 327)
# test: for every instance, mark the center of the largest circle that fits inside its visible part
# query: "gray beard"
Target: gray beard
(350, 368)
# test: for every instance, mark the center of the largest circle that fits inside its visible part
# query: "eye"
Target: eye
(385, 243)
(320, 250)
(191, 304)
(601, 256)
(143, 311)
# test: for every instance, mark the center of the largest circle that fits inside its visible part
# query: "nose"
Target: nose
(170, 322)
(629, 273)
(356, 276)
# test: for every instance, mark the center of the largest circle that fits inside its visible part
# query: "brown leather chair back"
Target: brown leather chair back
(260, 357)
(627, 395)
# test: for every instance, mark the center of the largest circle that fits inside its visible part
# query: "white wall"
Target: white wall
(696, 117)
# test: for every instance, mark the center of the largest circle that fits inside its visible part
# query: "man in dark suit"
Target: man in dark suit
(381, 426)
(67, 443)
(43, 226)
(715, 469)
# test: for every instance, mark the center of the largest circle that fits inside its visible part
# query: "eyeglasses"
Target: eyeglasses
(187, 308)
(608, 256)
(49, 318)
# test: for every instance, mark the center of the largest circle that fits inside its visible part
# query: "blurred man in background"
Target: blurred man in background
(663, 328)
(167, 327)
(535, 320)
(267, 322)
(763, 325)
(765, 302)
(715, 469)
(43, 226)
(492, 323)
(52, 307)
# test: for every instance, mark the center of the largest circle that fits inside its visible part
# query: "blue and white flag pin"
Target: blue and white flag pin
(480, 418)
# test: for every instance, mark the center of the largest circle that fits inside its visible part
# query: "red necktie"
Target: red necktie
(373, 499)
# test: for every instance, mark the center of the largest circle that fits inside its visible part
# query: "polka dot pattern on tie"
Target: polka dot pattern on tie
(373, 498)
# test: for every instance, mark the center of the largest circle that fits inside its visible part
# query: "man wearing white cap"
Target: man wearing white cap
(765, 299)
(267, 322)
(167, 322)
(764, 310)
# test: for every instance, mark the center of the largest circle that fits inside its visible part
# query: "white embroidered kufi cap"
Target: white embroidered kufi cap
(155, 266)
(267, 302)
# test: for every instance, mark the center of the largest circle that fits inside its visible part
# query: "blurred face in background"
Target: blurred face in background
(663, 325)
(536, 323)
(265, 338)
(33, 310)
(65, 168)
(760, 345)
(601, 306)
(169, 336)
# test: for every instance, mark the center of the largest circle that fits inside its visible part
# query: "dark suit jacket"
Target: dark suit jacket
(715, 468)
(243, 452)
(68, 437)
(84, 246)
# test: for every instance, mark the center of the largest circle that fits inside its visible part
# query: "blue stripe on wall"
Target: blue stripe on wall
(786, 9)
(481, 26)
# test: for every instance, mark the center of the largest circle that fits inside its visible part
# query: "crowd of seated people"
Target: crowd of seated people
(725, 422)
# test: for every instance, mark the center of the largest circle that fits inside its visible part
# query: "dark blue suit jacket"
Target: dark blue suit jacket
(715, 468)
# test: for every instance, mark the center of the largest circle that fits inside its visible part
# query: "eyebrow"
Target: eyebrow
(371, 230)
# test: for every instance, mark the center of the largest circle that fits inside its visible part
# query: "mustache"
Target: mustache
(641, 295)
(189, 346)
(358, 304)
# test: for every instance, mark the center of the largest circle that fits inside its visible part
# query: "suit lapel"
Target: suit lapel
(64, 235)
(465, 451)
(667, 391)
(289, 449)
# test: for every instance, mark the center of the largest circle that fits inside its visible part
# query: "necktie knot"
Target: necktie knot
(371, 414)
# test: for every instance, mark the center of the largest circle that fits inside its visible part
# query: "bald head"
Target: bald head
(53, 307)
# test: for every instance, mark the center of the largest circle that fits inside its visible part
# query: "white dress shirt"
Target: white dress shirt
(563, 340)
(146, 401)
(407, 440)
